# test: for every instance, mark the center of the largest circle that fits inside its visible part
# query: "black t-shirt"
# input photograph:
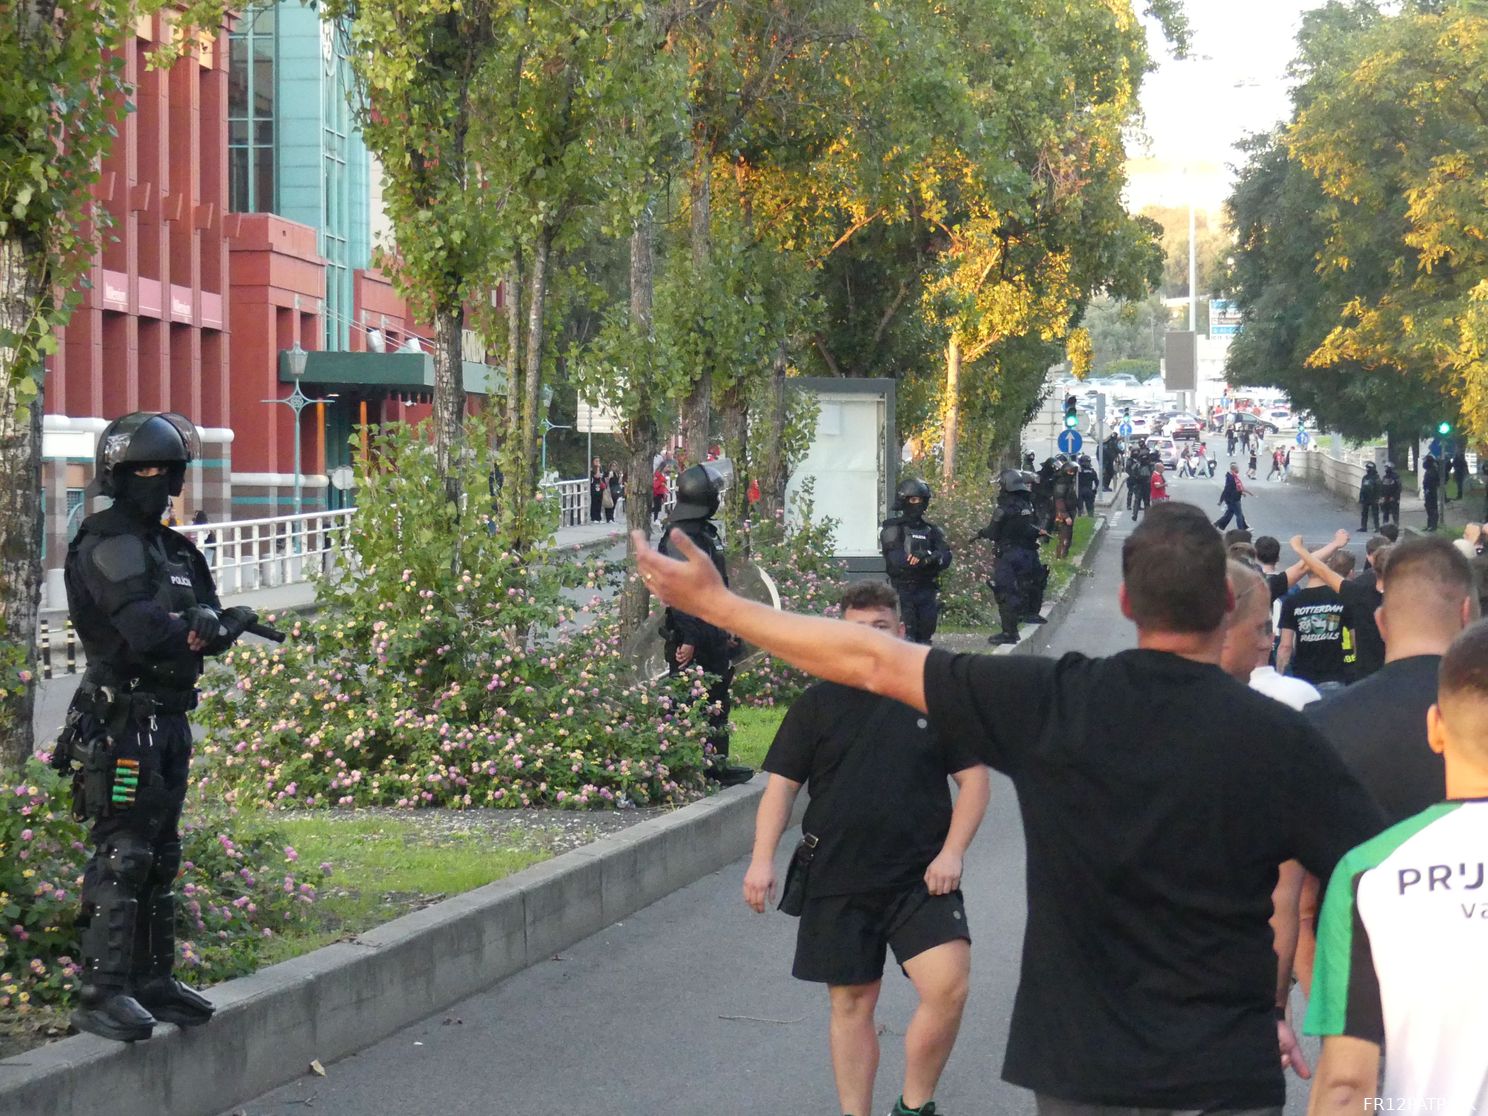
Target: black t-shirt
(1378, 726)
(1278, 584)
(876, 773)
(1360, 598)
(1159, 796)
(1318, 616)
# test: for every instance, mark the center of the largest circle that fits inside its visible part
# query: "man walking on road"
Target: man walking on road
(883, 849)
(1139, 834)
(1234, 490)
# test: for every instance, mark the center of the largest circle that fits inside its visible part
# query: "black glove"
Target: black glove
(234, 622)
(237, 620)
(202, 622)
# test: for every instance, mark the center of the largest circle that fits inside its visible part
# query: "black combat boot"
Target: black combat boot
(106, 1008)
(167, 998)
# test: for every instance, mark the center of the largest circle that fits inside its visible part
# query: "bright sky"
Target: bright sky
(1198, 110)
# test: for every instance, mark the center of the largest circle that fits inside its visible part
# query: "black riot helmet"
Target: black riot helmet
(912, 490)
(698, 489)
(1084, 459)
(1012, 480)
(145, 438)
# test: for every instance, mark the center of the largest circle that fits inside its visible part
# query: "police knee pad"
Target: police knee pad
(167, 862)
(125, 858)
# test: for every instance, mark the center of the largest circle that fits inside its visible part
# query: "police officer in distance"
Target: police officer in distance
(142, 600)
(915, 554)
(691, 641)
(1089, 484)
(1065, 490)
(1015, 532)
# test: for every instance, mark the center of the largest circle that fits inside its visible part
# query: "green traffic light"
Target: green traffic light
(1444, 428)
(1071, 421)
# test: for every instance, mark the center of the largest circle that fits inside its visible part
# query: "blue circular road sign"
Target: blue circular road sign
(1302, 438)
(1069, 441)
(1125, 429)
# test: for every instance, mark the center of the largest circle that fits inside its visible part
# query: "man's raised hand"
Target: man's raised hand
(686, 583)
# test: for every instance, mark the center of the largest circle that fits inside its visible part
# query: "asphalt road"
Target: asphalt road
(688, 1006)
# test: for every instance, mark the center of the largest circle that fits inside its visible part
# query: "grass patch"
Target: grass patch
(754, 729)
(1062, 570)
(383, 867)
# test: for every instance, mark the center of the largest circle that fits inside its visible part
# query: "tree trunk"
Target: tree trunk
(696, 409)
(21, 289)
(733, 406)
(537, 283)
(772, 470)
(449, 396)
(514, 344)
(639, 433)
(952, 409)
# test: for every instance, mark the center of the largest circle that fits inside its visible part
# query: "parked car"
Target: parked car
(1245, 421)
(1167, 451)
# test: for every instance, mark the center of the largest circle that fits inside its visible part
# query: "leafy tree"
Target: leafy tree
(1131, 330)
(62, 92)
(1398, 131)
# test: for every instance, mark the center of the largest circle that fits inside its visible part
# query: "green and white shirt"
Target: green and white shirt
(1402, 956)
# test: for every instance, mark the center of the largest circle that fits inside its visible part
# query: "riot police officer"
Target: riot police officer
(915, 554)
(1043, 493)
(1065, 489)
(1015, 532)
(1089, 484)
(142, 600)
(690, 640)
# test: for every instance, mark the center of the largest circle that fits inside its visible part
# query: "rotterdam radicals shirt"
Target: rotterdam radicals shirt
(1158, 796)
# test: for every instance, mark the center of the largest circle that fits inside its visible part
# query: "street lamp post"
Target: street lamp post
(297, 401)
(545, 428)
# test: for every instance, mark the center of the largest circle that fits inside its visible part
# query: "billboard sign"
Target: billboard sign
(1224, 317)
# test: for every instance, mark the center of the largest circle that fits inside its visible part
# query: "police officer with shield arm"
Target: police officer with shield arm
(142, 600)
(691, 641)
(915, 554)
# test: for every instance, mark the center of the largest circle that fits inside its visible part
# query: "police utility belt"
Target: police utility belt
(102, 783)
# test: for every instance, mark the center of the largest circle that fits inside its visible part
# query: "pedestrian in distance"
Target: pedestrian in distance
(879, 865)
(915, 554)
(1136, 830)
(208, 540)
(1389, 495)
(658, 493)
(1230, 441)
(1369, 497)
(1286, 465)
(614, 492)
(1277, 469)
(1401, 959)
(1250, 470)
(1110, 454)
(598, 486)
(146, 610)
(692, 641)
(1185, 463)
(1158, 487)
(1230, 496)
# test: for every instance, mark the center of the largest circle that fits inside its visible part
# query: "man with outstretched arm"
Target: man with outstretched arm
(879, 865)
(1148, 975)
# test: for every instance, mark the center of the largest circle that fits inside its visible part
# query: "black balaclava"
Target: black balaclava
(143, 498)
(914, 510)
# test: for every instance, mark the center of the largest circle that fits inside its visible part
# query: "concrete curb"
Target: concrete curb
(341, 999)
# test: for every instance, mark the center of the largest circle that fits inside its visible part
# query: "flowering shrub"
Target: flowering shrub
(446, 668)
(962, 509)
(236, 891)
(810, 581)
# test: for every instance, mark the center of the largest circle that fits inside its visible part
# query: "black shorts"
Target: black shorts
(842, 939)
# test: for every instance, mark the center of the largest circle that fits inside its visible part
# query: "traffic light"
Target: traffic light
(1444, 428)
(1071, 416)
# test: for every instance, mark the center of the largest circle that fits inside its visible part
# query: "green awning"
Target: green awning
(392, 371)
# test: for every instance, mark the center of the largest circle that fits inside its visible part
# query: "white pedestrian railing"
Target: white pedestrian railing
(249, 554)
(573, 500)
